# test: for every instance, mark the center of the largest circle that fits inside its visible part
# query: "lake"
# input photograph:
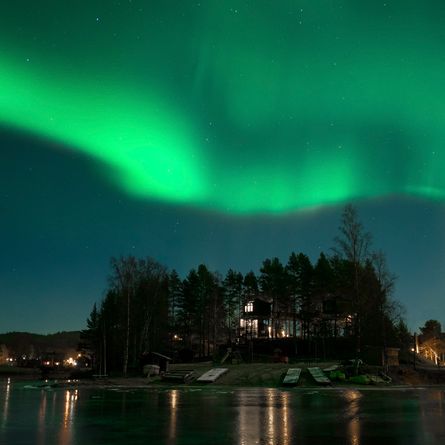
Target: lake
(220, 415)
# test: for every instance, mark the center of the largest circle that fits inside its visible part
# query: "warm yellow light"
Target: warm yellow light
(70, 361)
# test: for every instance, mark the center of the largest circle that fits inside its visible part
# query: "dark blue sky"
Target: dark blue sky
(62, 220)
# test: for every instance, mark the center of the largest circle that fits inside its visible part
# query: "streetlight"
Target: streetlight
(413, 350)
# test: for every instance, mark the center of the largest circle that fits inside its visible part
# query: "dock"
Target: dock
(319, 376)
(292, 376)
(212, 375)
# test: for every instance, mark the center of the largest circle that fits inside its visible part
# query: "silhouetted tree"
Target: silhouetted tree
(201, 310)
(273, 282)
(404, 338)
(431, 329)
(324, 290)
(145, 306)
(250, 287)
(299, 276)
(353, 244)
(150, 314)
(123, 281)
(134, 314)
(188, 307)
(91, 337)
(174, 297)
(233, 301)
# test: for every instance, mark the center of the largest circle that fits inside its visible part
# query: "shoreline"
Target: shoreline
(239, 376)
(130, 386)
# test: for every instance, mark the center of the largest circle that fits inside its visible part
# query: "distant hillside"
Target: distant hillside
(34, 345)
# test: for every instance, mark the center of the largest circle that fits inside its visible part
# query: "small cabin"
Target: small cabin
(155, 358)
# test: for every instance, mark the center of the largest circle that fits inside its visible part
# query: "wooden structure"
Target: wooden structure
(212, 375)
(149, 370)
(319, 376)
(155, 358)
(179, 375)
(292, 376)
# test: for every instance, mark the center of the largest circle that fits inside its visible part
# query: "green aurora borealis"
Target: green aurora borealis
(239, 106)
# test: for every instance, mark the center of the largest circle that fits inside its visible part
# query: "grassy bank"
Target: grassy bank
(253, 374)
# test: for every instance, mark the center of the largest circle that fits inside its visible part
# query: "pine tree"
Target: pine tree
(233, 295)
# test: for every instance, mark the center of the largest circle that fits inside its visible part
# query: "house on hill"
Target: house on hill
(326, 316)
(255, 321)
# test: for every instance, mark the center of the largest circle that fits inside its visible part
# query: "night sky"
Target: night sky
(219, 131)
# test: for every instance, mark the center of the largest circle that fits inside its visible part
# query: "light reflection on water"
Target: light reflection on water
(47, 412)
(352, 398)
(68, 417)
(42, 419)
(190, 415)
(6, 402)
(174, 401)
(266, 423)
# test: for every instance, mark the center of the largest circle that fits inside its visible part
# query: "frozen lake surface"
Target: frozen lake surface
(212, 415)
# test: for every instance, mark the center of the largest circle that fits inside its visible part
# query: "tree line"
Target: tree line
(149, 308)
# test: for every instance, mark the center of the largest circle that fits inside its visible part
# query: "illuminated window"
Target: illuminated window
(248, 307)
(250, 326)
